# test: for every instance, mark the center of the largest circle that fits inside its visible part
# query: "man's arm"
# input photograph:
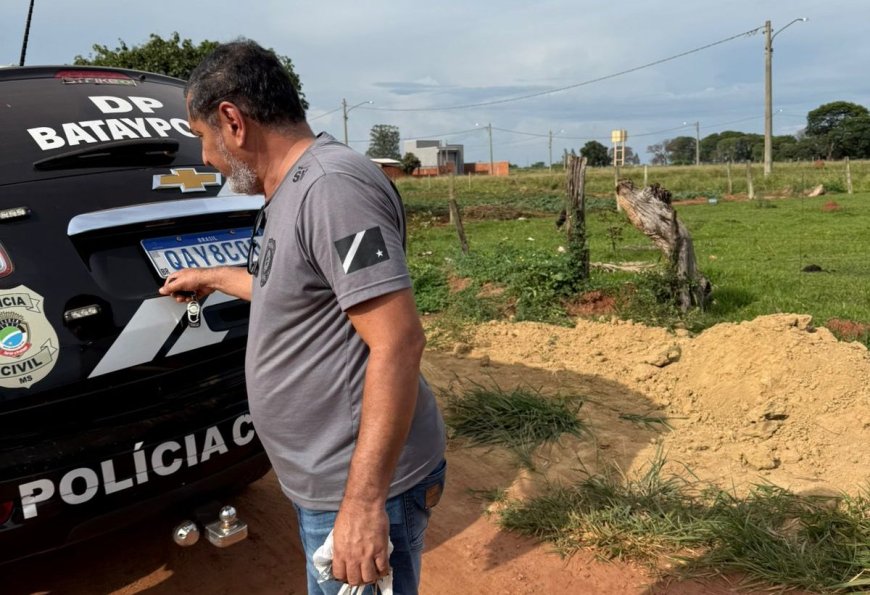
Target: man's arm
(234, 281)
(390, 327)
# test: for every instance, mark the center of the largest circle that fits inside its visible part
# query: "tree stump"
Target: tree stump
(650, 211)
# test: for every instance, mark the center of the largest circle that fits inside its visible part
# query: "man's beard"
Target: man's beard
(242, 178)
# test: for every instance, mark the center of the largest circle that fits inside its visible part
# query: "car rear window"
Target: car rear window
(48, 115)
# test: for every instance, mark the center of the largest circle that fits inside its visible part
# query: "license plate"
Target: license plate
(227, 247)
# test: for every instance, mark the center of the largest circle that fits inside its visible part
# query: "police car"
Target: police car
(115, 401)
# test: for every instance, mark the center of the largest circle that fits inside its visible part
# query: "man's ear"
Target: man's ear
(232, 122)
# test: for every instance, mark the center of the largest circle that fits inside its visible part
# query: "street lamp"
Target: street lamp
(550, 134)
(346, 109)
(697, 142)
(768, 91)
(491, 163)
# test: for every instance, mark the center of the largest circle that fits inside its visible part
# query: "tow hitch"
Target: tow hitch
(224, 532)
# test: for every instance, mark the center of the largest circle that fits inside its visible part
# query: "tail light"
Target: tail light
(5, 511)
(6, 267)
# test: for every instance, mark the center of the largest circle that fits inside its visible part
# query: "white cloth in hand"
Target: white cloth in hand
(323, 565)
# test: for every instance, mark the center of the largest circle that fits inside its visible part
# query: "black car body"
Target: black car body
(112, 405)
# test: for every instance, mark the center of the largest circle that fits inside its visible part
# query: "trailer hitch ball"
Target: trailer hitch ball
(186, 534)
(228, 529)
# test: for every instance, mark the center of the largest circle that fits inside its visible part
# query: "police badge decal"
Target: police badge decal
(28, 343)
(268, 257)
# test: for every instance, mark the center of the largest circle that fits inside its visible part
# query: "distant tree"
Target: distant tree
(734, 149)
(851, 138)
(708, 147)
(173, 57)
(384, 142)
(782, 145)
(829, 116)
(804, 148)
(410, 162)
(660, 155)
(538, 165)
(826, 123)
(680, 150)
(595, 153)
(710, 142)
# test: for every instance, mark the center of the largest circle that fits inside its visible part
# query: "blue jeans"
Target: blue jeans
(409, 516)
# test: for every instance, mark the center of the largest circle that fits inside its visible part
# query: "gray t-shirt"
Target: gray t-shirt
(334, 238)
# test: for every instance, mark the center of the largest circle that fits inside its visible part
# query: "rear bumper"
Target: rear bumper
(67, 505)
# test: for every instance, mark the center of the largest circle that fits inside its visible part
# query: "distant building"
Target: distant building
(391, 167)
(437, 157)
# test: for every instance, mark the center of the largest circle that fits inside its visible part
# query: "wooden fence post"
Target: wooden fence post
(728, 173)
(848, 177)
(750, 189)
(451, 196)
(456, 219)
(615, 184)
(575, 224)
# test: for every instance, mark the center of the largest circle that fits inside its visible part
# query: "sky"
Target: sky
(414, 59)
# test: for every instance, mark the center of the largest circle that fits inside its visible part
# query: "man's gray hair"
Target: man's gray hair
(249, 76)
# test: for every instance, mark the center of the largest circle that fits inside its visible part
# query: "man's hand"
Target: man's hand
(186, 284)
(359, 540)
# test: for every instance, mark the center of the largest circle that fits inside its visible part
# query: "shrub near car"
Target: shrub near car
(113, 402)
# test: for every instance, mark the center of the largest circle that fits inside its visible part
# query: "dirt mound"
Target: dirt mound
(773, 399)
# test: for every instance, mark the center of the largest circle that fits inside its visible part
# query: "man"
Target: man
(334, 343)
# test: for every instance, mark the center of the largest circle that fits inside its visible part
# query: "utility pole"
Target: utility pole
(768, 100)
(697, 143)
(491, 163)
(550, 132)
(768, 91)
(344, 111)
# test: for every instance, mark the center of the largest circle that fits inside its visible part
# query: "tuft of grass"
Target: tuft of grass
(647, 421)
(776, 536)
(490, 496)
(519, 420)
(770, 535)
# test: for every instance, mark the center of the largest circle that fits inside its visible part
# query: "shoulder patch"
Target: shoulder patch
(362, 249)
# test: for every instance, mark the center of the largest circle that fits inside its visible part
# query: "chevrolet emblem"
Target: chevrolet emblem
(187, 179)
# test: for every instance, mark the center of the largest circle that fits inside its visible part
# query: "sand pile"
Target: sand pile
(773, 399)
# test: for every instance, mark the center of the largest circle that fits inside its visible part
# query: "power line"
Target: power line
(458, 132)
(332, 111)
(537, 135)
(574, 86)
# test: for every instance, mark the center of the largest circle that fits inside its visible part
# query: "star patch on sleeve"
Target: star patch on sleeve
(362, 249)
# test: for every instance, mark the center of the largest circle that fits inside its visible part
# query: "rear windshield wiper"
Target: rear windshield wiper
(132, 152)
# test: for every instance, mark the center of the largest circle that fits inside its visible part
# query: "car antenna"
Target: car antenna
(26, 33)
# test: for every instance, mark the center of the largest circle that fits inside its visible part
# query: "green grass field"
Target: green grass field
(752, 251)
(538, 189)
